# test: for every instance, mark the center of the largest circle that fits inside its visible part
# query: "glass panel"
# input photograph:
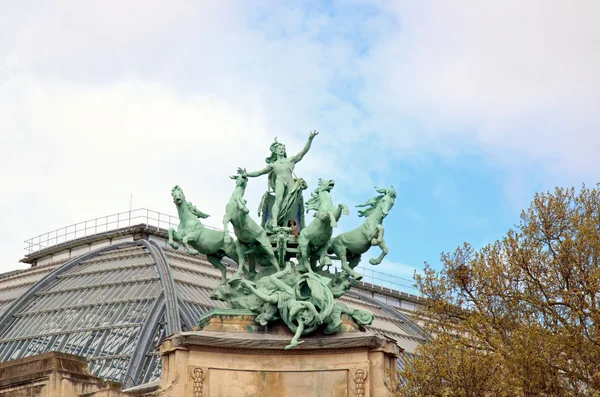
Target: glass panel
(142, 260)
(152, 368)
(4, 306)
(25, 278)
(84, 318)
(38, 345)
(76, 343)
(195, 311)
(194, 278)
(109, 369)
(194, 294)
(120, 341)
(60, 300)
(123, 276)
(16, 350)
(14, 293)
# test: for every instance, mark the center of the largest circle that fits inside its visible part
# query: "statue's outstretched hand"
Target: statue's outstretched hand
(242, 172)
(313, 134)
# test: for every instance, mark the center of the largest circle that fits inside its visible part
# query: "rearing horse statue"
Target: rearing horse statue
(196, 238)
(313, 239)
(251, 238)
(349, 246)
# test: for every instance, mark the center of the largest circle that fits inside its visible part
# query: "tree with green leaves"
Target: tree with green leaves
(521, 316)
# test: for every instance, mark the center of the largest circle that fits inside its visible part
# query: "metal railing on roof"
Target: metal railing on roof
(382, 281)
(154, 219)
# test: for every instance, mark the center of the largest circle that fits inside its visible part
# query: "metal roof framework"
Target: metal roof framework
(115, 304)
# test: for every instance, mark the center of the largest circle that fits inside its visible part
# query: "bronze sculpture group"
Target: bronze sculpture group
(292, 283)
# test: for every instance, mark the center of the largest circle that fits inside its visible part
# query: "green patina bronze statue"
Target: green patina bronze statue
(303, 294)
(282, 181)
(251, 238)
(349, 246)
(195, 237)
(300, 315)
(314, 239)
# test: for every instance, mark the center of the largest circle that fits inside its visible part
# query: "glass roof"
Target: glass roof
(115, 305)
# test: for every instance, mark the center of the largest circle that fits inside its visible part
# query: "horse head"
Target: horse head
(314, 203)
(240, 180)
(387, 201)
(381, 204)
(177, 194)
(325, 185)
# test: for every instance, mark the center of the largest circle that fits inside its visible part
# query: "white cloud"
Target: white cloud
(79, 152)
(76, 152)
(99, 100)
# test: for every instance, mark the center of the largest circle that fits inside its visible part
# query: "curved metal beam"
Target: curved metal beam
(188, 323)
(167, 303)
(131, 377)
(168, 285)
(49, 280)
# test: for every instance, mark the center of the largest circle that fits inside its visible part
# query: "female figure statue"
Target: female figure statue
(282, 180)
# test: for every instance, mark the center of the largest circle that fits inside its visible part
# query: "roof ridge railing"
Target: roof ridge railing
(158, 220)
(102, 224)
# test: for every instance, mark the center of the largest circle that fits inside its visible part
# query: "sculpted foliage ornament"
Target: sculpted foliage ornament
(286, 277)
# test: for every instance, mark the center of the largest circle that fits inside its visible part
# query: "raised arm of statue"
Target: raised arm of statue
(305, 149)
(266, 170)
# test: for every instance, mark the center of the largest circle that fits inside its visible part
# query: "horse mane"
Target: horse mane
(314, 201)
(374, 202)
(371, 204)
(194, 210)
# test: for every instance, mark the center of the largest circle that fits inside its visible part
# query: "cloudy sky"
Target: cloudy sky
(467, 107)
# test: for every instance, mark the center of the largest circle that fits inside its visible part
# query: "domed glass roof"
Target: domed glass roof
(114, 305)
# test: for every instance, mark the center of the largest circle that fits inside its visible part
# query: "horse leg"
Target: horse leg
(173, 244)
(377, 240)
(303, 248)
(226, 236)
(321, 254)
(384, 251)
(353, 261)
(341, 251)
(332, 220)
(266, 246)
(344, 258)
(193, 236)
(241, 258)
(343, 209)
(313, 262)
(216, 262)
(251, 267)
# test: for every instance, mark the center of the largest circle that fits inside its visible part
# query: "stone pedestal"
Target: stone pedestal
(230, 355)
(53, 375)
